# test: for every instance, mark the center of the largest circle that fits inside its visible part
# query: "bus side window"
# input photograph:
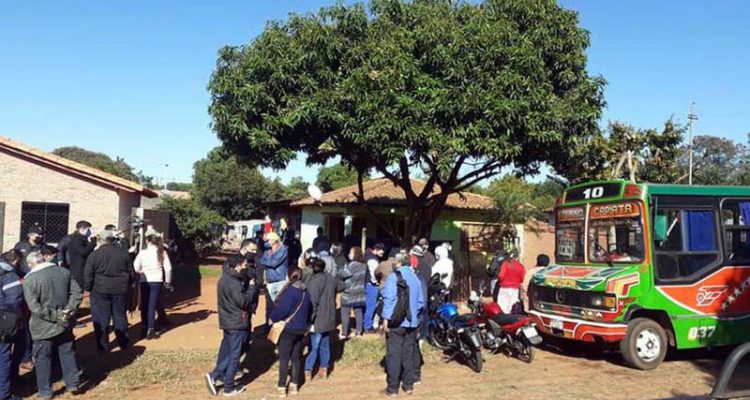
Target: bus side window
(736, 220)
(688, 245)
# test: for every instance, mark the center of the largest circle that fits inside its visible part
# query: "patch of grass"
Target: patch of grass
(210, 272)
(168, 368)
(361, 353)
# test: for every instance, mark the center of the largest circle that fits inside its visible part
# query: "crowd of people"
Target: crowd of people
(301, 302)
(43, 287)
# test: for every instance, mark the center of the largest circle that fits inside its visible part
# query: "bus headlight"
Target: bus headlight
(604, 302)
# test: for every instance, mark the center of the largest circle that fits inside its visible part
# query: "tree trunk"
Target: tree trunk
(420, 218)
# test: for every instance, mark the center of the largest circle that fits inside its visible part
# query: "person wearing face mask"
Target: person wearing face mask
(74, 250)
(34, 242)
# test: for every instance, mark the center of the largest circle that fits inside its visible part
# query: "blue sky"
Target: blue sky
(129, 78)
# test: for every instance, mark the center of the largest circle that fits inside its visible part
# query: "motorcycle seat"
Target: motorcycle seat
(507, 319)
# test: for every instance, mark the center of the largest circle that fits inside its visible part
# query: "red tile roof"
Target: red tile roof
(383, 192)
(77, 169)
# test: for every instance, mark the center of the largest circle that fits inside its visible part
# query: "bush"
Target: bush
(199, 228)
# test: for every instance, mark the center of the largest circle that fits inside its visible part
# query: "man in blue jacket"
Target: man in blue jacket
(11, 303)
(275, 262)
(401, 340)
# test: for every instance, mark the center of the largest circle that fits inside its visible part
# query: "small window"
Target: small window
(686, 243)
(52, 218)
(736, 220)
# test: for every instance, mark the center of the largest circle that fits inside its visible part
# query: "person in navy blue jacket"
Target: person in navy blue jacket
(11, 301)
(292, 304)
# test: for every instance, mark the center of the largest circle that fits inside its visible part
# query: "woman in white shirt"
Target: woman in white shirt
(443, 266)
(155, 270)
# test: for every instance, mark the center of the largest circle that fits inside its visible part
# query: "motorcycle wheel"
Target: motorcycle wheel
(475, 361)
(526, 353)
(438, 338)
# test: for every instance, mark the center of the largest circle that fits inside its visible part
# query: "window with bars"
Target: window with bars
(51, 217)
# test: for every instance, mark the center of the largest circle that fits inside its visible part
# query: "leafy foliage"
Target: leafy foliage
(199, 226)
(716, 161)
(336, 177)
(236, 191)
(296, 189)
(654, 154)
(100, 161)
(457, 89)
(180, 186)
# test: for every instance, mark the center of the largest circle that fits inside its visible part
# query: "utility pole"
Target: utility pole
(692, 117)
(165, 176)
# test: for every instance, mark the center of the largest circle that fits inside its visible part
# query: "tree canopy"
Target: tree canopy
(100, 161)
(336, 177)
(716, 161)
(653, 155)
(236, 191)
(459, 90)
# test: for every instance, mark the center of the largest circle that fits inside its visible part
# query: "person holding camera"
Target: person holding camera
(53, 296)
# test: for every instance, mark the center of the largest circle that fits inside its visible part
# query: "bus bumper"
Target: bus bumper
(578, 329)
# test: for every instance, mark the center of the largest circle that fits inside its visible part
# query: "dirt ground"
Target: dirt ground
(173, 365)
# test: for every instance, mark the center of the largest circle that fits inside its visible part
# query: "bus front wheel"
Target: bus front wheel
(645, 345)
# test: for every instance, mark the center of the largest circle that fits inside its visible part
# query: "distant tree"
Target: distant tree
(624, 152)
(180, 186)
(716, 161)
(100, 161)
(296, 189)
(336, 177)
(236, 191)
(198, 225)
(462, 90)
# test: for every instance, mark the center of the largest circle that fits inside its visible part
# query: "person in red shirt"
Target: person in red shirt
(510, 279)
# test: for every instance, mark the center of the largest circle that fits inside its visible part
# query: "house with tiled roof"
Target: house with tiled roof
(464, 222)
(52, 192)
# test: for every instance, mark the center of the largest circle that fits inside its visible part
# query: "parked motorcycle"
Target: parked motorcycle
(458, 335)
(513, 334)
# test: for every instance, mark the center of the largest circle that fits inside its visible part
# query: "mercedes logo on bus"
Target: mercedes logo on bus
(560, 296)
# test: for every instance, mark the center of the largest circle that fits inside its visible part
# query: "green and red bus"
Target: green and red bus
(648, 266)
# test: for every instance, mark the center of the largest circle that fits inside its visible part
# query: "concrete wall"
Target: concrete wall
(128, 201)
(26, 181)
(312, 218)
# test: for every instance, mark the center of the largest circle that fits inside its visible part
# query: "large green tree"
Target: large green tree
(236, 191)
(459, 90)
(335, 177)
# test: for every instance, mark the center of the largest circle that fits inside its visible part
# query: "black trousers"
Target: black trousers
(103, 308)
(290, 349)
(400, 357)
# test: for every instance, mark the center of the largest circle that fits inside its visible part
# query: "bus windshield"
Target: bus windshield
(615, 233)
(570, 234)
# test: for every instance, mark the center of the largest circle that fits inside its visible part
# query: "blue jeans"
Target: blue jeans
(320, 343)
(150, 294)
(6, 366)
(229, 357)
(371, 301)
(103, 308)
(42, 354)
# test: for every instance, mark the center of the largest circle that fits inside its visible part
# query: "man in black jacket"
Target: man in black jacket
(234, 298)
(109, 275)
(34, 242)
(74, 250)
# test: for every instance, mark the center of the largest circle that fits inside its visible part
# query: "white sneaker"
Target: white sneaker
(211, 384)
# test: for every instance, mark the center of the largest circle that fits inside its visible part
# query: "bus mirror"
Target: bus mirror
(660, 228)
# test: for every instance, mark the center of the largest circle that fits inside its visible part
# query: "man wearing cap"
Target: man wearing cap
(53, 296)
(372, 260)
(108, 276)
(275, 262)
(34, 242)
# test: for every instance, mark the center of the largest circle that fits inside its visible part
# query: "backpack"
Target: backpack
(402, 311)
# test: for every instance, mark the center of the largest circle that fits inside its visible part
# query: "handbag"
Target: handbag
(278, 327)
